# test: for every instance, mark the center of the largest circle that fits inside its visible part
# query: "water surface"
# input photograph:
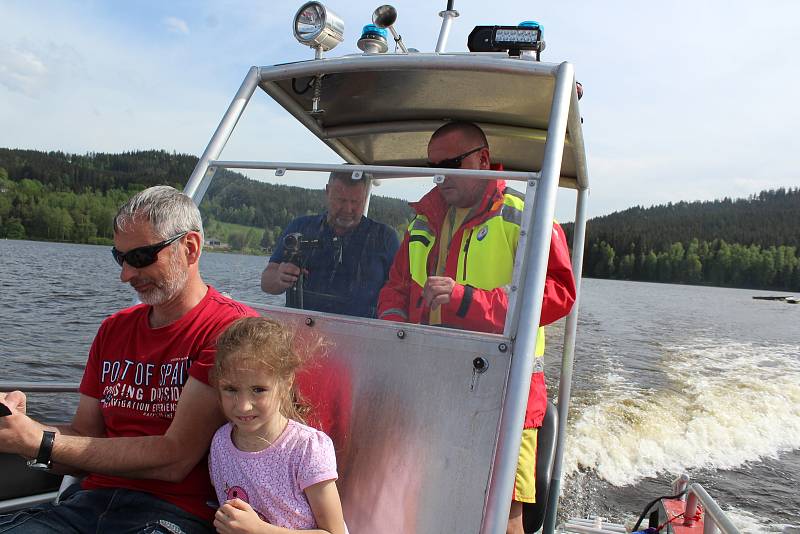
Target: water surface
(668, 378)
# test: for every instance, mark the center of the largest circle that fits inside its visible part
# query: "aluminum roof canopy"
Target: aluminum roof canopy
(510, 98)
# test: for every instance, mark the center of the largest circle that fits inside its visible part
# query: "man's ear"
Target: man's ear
(194, 246)
(485, 159)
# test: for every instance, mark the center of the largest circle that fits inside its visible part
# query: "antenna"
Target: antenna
(384, 17)
(447, 20)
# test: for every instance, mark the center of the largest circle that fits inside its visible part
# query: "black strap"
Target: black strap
(466, 300)
(46, 447)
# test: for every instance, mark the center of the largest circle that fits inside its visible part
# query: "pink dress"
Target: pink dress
(273, 481)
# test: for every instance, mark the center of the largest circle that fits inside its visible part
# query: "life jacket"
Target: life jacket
(482, 258)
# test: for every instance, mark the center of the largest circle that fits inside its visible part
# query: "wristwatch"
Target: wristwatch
(42, 461)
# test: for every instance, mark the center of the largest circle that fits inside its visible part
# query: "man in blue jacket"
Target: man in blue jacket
(343, 256)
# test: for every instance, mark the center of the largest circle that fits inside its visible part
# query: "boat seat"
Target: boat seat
(533, 513)
(19, 481)
(66, 481)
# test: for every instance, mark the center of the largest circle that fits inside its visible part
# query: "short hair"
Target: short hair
(168, 211)
(468, 130)
(346, 178)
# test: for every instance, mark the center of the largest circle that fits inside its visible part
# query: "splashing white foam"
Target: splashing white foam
(726, 404)
(748, 522)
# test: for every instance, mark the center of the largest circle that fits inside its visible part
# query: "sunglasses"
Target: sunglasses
(455, 163)
(143, 256)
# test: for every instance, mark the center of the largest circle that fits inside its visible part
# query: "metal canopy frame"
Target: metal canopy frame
(559, 139)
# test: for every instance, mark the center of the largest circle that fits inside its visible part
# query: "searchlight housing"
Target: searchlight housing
(318, 27)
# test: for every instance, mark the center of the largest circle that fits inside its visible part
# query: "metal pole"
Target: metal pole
(202, 174)
(504, 467)
(40, 387)
(385, 171)
(691, 509)
(370, 185)
(447, 21)
(567, 359)
(398, 40)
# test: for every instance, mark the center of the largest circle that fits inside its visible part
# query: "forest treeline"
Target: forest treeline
(750, 242)
(68, 197)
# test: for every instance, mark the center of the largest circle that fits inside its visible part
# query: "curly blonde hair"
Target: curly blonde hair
(270, 346)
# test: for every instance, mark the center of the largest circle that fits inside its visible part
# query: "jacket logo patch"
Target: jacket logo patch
(482, 233)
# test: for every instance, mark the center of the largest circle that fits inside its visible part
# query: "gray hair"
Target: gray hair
(346, 177)
(168, 211)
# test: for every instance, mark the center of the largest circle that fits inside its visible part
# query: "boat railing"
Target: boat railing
(21, 503)
(36, 497)
(39, 387)
(715, 518)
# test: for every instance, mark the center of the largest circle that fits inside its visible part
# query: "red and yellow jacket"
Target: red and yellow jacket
(481, 261)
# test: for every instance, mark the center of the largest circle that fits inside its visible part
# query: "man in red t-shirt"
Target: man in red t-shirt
(146, 413)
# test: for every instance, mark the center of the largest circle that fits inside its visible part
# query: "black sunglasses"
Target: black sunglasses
(455, 163)
(143, 256)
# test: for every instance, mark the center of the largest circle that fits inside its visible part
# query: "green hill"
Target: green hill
(751, 242)
(67, 197)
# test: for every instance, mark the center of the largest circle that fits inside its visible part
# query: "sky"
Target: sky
(683, 100)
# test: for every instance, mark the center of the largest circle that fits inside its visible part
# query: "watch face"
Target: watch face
(33, 464)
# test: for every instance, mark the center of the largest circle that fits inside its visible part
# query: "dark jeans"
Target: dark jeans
(106, 510)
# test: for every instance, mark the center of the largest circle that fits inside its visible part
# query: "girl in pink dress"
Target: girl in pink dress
(270, 471)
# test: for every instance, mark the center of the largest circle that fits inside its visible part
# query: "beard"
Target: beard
(346, 222)
(164, 290)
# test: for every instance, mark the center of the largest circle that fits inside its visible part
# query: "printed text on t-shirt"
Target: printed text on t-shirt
(144, 387)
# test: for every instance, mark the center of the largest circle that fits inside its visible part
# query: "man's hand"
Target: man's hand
(238, 517)
(277, 278)
(288, 273)
(19, 434)
(15, 399)
(438, 290)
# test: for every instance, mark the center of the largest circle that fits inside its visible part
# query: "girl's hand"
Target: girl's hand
(238, 517)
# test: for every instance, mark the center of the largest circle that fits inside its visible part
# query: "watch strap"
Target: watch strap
(46, 448)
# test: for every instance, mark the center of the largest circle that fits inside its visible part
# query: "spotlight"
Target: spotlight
(514, 39)
(318, 27)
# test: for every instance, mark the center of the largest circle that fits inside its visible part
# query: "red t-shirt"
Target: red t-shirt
(138, 372)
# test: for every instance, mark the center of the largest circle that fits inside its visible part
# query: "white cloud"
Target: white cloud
(176, 25)
(661, 123)
(21, 70)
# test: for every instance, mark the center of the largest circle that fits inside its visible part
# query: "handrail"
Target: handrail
(381, 171)
(713, 512)
(10, 505)
(39, 387)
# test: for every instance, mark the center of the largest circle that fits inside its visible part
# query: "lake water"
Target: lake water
(668, 378)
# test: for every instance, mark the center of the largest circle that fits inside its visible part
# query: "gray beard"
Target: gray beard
(172, 285)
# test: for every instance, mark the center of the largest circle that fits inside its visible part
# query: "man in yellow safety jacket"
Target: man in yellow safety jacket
(455, 264)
